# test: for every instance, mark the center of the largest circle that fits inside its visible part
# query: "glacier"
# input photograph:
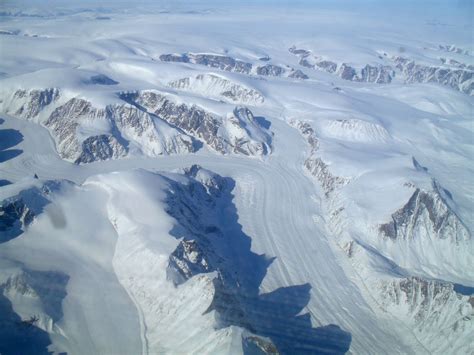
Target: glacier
(235, 178)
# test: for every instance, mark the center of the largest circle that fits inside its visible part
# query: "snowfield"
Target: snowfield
(265, 178)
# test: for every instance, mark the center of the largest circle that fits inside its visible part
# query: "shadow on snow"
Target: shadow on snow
(214, 233)
(9, 138)
(22, 336)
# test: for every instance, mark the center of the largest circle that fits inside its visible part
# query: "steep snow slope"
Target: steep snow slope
(353, 232)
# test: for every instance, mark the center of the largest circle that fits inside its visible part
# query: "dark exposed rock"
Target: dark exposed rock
(124, 120)
(428, 306)
(19, 211)
(381, 74)
(210, 60)
(221, 86)
(327, 65)
(274, 318)
(270, 70)
(101, 147)
(188, 260)
(192, 120)
(320, 170)
(298, 74)
(221, 62)
(453, 49)
(64, 122)
(263, 345)
(14, 213)
(308, 132)
(226, 63)
(315, 165)
(206, 126)
(347, 72)
(426, 215)
(300, 52)
(458, 79)
(212, 182)
(457, 64)
(178, 58)
(34, 101)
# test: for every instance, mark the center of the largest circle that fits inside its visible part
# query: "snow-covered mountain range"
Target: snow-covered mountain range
(209, 178)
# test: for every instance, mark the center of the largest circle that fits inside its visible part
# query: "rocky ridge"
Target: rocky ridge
(381, 74)
(85, 133)
(238, 133)
(459, 78)
(314, 164)
(230, 64)
(19, 211)
(421, 303)
(212, 85)
(426, 214)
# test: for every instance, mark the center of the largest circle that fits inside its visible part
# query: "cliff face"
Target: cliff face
(147, 123)
(426, 214)
(459, 76)
(439, 316)
(458, 79)
(210, 60)
(226, 63)
(379, 74)
(29, 103)
(315, 165)
(239, 133)
(210, 85)
(425, 237)
(19, 211)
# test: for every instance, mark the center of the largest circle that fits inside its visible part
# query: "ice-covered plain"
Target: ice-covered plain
(260, 177)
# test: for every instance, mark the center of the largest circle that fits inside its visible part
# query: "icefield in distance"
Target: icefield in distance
(268, 177)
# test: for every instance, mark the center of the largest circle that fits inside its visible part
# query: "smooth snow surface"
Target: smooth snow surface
(223, 179)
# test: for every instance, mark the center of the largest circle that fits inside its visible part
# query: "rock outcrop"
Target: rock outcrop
(238, 133)
(221, 62)
(205, 248)
(214, 86)
(379, 74)
(458, 79)
(437, 314)
(65, 123)
(148, 123)
(85, 133)
(19, 211)
(270, 70)
(426, 214)
(298, 74)
(315, 165)
(230, 64)
(29, 103)
(453, 49)
(457, 64)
